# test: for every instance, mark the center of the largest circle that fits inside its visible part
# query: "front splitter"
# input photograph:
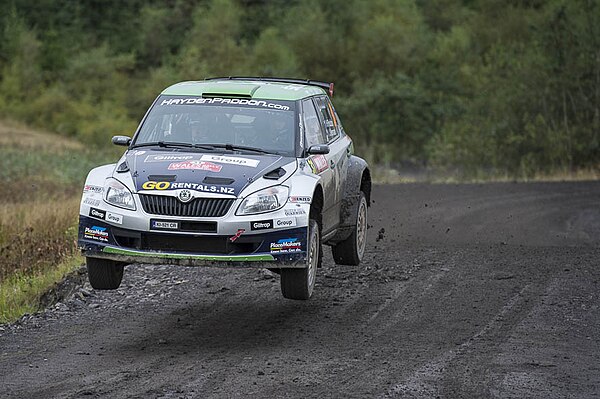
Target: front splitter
(264, 260)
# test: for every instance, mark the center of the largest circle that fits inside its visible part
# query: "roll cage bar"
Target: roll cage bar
(328, 86)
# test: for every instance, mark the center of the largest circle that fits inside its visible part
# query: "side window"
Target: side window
(312, 125)
(328, 118)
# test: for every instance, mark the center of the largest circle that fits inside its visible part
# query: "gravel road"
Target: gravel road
(485, 290)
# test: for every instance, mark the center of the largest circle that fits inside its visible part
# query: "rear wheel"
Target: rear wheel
(351, 250)
(104, 274)
(299, 283)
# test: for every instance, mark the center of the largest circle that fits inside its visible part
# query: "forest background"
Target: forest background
(474, 87)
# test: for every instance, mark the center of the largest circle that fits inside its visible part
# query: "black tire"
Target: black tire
(351, 250)
(104, 274)
(300, 283)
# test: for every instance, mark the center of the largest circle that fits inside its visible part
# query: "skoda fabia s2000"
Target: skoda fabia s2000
(243, 172)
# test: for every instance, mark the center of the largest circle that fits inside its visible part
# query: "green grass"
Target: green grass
(41, 176)
(18, 164)
(20, 293)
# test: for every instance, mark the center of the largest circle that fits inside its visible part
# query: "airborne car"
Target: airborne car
(243, 172)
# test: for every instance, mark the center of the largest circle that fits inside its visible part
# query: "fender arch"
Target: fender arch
(358, 179)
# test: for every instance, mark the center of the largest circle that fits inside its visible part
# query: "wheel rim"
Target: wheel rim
(313, 259)
(361, 228)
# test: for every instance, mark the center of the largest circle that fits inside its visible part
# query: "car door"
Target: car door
(319, 164)
(337, 158)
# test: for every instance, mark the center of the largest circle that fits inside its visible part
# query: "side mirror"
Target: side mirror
(318, 149)
(121, 140)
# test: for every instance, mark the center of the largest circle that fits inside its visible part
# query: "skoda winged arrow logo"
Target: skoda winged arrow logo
(185, 196)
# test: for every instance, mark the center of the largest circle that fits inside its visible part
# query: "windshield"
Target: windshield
(262, 124)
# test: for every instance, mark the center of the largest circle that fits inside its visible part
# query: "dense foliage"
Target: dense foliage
(500, 86)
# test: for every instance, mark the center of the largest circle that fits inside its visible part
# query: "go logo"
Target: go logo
(152, 185)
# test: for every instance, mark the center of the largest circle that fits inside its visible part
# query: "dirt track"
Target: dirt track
(467, 291)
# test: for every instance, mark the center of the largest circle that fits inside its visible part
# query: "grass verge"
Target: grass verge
(41, 178)
(20, 293)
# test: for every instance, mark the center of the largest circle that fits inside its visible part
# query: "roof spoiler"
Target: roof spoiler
(327, 86)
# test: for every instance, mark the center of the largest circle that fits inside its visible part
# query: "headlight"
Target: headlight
(115, 193)
(265, 200)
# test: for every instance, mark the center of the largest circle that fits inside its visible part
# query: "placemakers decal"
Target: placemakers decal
(286, 245)
(300, 200)
(114, 218)
(237, 235)
(96, 233)
(165, 185)
(196, 165)
(294, 212)
(217, 100)
(231, 160)
(282, 223)
(91, 201)
(317, 163)
(261, 225)
(170, 158)
(97, 213)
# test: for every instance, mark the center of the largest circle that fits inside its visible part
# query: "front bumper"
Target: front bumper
(275, 248)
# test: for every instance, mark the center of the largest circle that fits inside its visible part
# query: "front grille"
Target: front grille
(198, 207)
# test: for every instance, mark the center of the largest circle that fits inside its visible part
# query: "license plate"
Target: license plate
(164, 225)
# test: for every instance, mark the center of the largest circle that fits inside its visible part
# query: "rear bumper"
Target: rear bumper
(283, 248)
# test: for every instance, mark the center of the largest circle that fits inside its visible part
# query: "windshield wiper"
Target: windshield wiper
(232, 147)
(165, 144)
(162, 144)
(209, 147)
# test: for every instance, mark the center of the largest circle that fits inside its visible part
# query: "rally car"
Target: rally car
(238, 171)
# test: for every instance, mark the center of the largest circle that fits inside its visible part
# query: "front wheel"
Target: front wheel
(351, 250)
(300, 283)
(104, 274)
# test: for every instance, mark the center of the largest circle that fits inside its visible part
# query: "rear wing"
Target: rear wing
(327, 86)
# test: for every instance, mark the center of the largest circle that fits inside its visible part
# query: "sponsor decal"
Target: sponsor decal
(163, 225)
(97, 213)
(185, 196)
(294, 212)
(300, 199)
(91, 201)
(216, 100)
(282, 223)
(286, 245)
(292, 87)
(237, 235)
(96, 233)
(195, 165)
(165, 185)
(170, 158)
(114, 218)
(317, 163)
(231, 160)
(92, 189)
(261, 225)
(137, 152)
(153, 185)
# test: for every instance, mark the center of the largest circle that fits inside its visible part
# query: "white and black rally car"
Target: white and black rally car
(245, 172)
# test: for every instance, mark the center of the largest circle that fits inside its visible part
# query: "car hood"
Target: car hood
(209, 172)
